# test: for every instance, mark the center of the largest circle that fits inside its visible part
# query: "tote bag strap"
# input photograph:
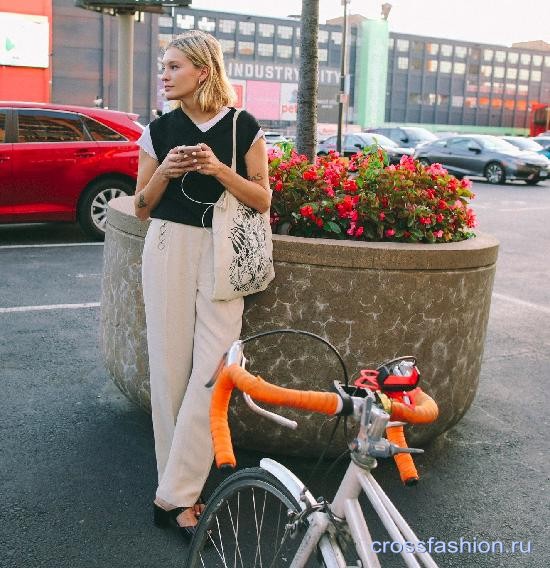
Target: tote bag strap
(234, 159)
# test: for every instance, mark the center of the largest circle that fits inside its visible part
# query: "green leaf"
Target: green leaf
(333, 227)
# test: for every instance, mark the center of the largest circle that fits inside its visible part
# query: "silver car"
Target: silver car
(353, 143)
(486, 156)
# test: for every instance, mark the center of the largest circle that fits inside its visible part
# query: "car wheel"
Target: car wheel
(424, 161)
(532, 181)
(494, 173)
(92, 209)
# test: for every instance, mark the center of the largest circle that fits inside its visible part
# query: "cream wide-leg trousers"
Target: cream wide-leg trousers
(187, 333)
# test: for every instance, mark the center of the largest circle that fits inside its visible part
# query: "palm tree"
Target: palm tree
(306, 133)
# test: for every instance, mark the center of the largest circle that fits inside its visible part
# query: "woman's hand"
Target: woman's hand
(174, 165)
(203, 161)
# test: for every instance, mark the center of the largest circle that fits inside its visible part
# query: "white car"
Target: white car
(272, 138)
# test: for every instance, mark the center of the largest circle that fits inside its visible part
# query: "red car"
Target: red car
(64, 163)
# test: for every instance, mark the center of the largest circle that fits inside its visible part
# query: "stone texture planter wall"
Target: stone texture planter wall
(373, 301)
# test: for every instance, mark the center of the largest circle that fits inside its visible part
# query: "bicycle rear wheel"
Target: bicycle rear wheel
(245, 525)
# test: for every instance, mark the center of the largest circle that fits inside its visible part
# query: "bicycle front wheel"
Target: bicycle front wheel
(247, 523)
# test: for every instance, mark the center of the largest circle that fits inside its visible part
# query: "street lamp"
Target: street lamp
(342, 94)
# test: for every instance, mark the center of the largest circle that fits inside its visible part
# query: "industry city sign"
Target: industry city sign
(275, 72)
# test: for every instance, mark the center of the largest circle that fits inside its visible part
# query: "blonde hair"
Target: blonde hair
(204, 50)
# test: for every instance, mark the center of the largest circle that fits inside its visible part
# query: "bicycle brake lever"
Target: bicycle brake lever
(398, 450)
(292, 424)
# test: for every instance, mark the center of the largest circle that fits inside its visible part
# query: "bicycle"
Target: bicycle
(266, 517)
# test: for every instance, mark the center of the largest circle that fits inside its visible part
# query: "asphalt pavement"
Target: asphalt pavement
(77, 471)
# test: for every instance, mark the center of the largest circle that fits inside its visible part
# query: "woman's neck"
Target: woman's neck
(194, 112)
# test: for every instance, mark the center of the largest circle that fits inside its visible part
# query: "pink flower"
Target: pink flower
(408, 163)
(278, 186)
(381, 216)
(438, 234)
(359, 231)
(465, 183)
(274, 152)
(389, 232)
(436, 170)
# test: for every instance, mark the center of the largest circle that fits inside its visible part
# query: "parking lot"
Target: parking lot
(78, 472)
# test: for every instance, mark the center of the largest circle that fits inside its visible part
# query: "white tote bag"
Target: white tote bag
(243, 247)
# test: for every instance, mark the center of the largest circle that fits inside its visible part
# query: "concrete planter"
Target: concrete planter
(373, 301)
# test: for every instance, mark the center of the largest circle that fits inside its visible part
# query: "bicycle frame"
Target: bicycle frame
(346, 506)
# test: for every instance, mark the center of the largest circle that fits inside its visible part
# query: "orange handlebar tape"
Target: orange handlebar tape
(424, 412)
(404, 462)
(261, 391)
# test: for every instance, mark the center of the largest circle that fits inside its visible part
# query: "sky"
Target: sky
(485, 21)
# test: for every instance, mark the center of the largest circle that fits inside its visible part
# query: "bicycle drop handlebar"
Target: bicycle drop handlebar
(233, 375)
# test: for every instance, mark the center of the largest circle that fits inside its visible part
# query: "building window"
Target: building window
(498, 72)
(415, 99)
(459, 68)
(391, 41)
(432, 48)
(402, 45)
(457, 100)
(185, 22)
(521, 105)
(511, 73)
(488, 54)
(525, 59)
(536, 76)
(402, 62)
(473, 68)
(416, 64)
(537, 60)
(337, 39)
(523, 90)
(206, 24)
(510, 89)
(483, 102)
(431, 65)
(500, 56)
(322, 36)
(284, 51)
(323, 54)
(513, 57)
(524, 74)
(265, 49)
(247, 28)
(297, 51)
(460, 51)
(297, 32)
(418, 47)
(445, 66)
(446, 50)
(227, 26)
(547, 60)
(165, 22)
(284, 32)
(498, 87)
(486, 70)
(246, 48)
(470, 102)
(266, 30)
(228, 46)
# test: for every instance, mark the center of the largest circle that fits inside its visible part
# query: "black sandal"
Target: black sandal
(163, 518)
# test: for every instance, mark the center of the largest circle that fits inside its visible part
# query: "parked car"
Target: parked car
(406, 136)
(543, 140)
(486, 156)
(272, 138)
(64, 163)
(528, 144)
(353, 143)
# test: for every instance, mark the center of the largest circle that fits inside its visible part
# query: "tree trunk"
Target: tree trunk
(306, 133)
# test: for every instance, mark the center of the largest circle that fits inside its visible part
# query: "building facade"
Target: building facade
(392, 78)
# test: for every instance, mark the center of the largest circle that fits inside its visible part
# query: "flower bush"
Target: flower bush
(364, 198)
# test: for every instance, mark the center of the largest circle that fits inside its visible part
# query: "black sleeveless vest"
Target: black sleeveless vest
(177, 129)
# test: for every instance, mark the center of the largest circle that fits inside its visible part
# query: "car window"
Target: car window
(398, 135)
(382, 140)
(493, 143)
(101, 133)
(459, 144)
(330, 140)
(2, 126)
(352, 140)
(49, 126)
(440, 143)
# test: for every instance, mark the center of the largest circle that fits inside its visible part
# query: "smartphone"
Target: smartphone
(189, 149)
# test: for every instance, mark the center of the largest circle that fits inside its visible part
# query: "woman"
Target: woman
(187, 332)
